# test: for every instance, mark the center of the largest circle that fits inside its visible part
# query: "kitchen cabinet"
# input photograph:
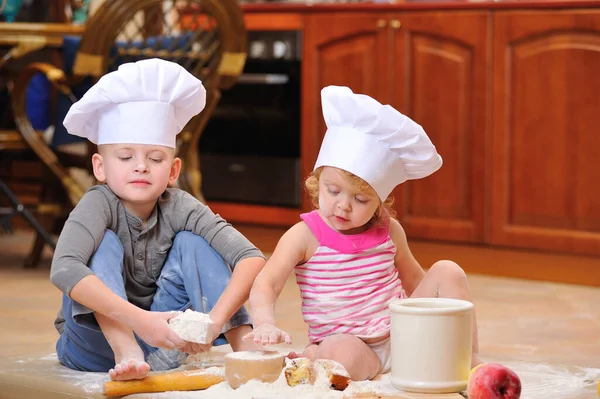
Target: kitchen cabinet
(546, 131)
(508, 94)
(431, 66)
(339, 49)
(438, 76)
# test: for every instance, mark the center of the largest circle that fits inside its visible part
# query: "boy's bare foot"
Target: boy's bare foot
(129, 369)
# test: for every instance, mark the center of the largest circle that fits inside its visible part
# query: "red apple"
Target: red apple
(493, 381)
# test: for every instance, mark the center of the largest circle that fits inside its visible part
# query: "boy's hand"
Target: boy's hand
(268, 334)
(193, 348)
(153, 328)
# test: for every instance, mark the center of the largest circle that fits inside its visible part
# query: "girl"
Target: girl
(350, 256)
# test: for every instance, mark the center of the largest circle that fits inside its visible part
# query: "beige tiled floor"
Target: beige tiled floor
(548, 332)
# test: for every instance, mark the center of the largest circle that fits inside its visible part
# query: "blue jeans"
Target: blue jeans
(193, 276)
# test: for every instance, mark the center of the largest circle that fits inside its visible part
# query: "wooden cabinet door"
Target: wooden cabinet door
(546, 131)
(339, 49)
(439, 78)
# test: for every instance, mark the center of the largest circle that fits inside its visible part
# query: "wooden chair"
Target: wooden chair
(207, 37)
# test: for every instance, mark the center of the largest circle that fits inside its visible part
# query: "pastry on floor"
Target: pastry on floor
(319, 372)
(338, 376)
(300, 371)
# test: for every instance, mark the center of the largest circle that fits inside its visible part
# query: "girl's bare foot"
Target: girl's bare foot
(129, 369)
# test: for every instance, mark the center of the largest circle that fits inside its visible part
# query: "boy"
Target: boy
(133, 251)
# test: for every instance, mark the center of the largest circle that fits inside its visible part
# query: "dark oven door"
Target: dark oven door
(250, 149)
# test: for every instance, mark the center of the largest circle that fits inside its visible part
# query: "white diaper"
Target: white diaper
(383, 350)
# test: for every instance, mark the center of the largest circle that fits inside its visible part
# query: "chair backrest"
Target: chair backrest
(207, 37)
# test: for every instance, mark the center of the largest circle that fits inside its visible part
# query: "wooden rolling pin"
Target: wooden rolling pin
(189, 380)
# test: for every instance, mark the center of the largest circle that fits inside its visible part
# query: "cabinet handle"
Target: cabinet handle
(395, 24)
(381, 23)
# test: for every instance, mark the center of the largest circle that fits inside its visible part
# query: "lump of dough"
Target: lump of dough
(193, 326)
(338, 376)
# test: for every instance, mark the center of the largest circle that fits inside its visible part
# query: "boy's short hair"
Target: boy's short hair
(384, 210)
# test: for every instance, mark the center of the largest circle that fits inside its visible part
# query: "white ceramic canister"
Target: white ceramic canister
(431, 344)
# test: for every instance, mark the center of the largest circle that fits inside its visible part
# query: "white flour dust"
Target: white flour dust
(52, 356)
(540, 381)
(192, 326)
(48, 368)
(88, 381)
(281, 390)
(545, 381)
(203, 360)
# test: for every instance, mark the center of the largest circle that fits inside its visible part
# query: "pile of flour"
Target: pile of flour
(281, 390)
(193, 326)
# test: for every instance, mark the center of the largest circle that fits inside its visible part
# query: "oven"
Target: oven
(250, 148)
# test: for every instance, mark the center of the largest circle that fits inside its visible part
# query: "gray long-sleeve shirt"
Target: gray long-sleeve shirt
(145, 246)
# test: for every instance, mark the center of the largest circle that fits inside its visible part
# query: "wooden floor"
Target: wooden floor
(548, 332)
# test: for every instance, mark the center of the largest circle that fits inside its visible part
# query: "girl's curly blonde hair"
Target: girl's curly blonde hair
(384, 210)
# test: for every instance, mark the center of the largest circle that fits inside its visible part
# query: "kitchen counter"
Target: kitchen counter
(296, 7)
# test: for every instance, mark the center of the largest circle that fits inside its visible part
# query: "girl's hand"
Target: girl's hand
(268, 334)
(153, 328)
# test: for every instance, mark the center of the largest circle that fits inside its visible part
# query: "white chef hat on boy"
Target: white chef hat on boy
(373, 141)
(143, 102)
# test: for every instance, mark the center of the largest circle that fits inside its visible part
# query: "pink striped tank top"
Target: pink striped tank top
(347, 285)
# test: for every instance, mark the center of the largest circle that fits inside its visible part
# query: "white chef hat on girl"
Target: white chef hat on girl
(143, 102)
(373, 141)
